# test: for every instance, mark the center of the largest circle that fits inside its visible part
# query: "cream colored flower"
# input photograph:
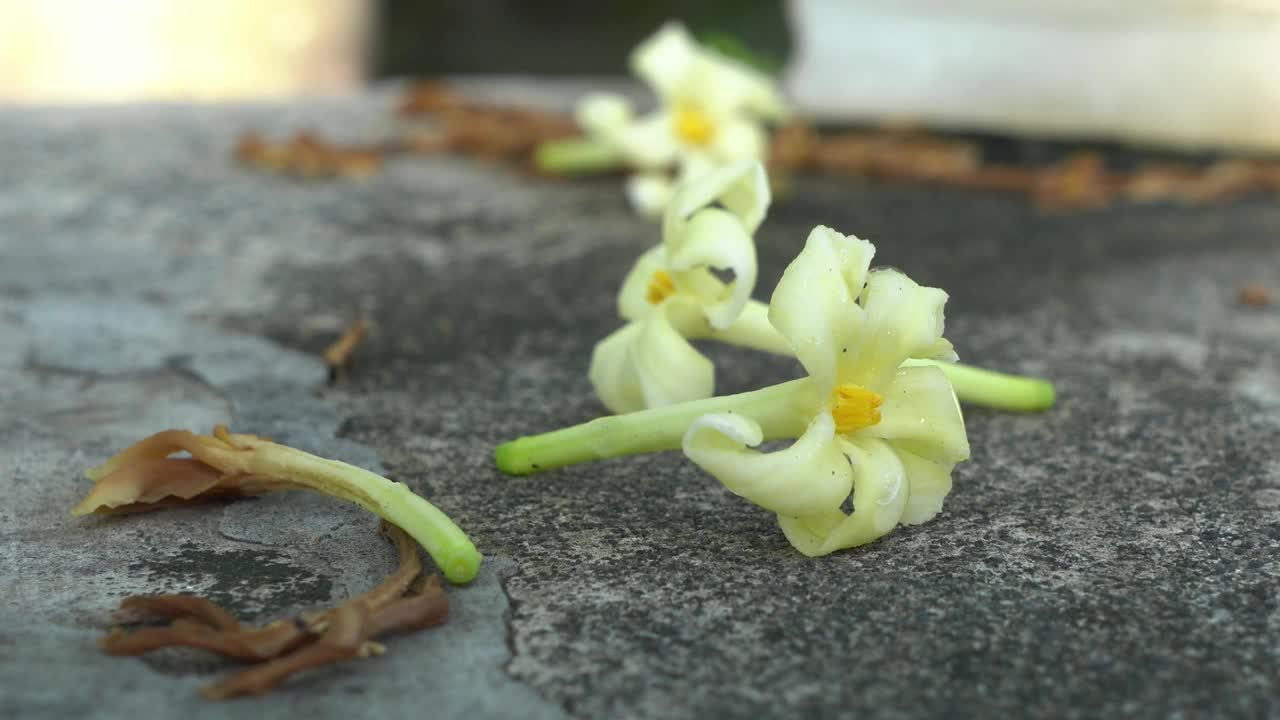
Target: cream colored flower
(672, 293)
(710, 113)
(888, 433)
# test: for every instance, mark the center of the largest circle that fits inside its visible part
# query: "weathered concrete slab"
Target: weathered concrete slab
(1118, 556)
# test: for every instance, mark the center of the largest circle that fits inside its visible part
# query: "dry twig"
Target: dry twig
(286, 647)
(338, 355)
(308, 156)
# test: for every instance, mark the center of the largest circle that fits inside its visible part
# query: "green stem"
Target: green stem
(976, 386)
(992, 389)
(394, 502)
(782, 411)
(575, 156)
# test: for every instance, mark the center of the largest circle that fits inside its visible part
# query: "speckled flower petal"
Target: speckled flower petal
(813, 305)
(921, 413)
(903, 320)
(880, 492)
(715, 238)
(812, 475)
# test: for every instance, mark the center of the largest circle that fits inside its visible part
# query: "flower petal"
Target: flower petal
(649, 194)
(903, 320)
(665, 59)
(603, 114)
(728, 87)
(930, 482)
(648, 143)
(880, 492)
(810, 476)
(714, 238)
(649, 364)
(813, 305)
(694, 164)
(613, 376)
(741, 187)
(739, 139)
(633, 302)
(921, 413)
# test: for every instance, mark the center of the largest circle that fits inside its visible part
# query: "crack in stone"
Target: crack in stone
(508, 616)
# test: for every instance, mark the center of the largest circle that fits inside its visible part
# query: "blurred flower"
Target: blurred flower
(889, 433)
(711, 113)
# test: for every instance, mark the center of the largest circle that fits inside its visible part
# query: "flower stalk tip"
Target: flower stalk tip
(576, 156)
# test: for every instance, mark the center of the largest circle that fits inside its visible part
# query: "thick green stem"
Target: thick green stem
(575, 156)
(443, 540)
(975, 386)
(782, 411)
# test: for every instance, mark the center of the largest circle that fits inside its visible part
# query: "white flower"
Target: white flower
(710, 114)
(672, 294)
(888, 433)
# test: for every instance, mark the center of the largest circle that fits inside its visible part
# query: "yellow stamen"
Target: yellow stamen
(661, 287)
(693, 125)
(854, 407)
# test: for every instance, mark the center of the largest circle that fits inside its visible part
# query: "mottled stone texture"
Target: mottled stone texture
(1114, 557)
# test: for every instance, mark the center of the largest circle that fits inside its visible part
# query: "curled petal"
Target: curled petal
(930, 482)
(633, 302)
(880, 492)
(613, 375)
(648, 364)
(603, 114)
(903, 320)
(813, 305)
(921, 413)
(811, 476)
(649, 194)
(666, 59)
(714, 238)
(741, 187)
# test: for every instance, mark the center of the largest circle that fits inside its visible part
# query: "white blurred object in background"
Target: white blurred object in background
(116, 50)
(1175, 72)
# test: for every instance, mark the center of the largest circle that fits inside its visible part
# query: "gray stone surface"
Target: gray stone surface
(1115, 557)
